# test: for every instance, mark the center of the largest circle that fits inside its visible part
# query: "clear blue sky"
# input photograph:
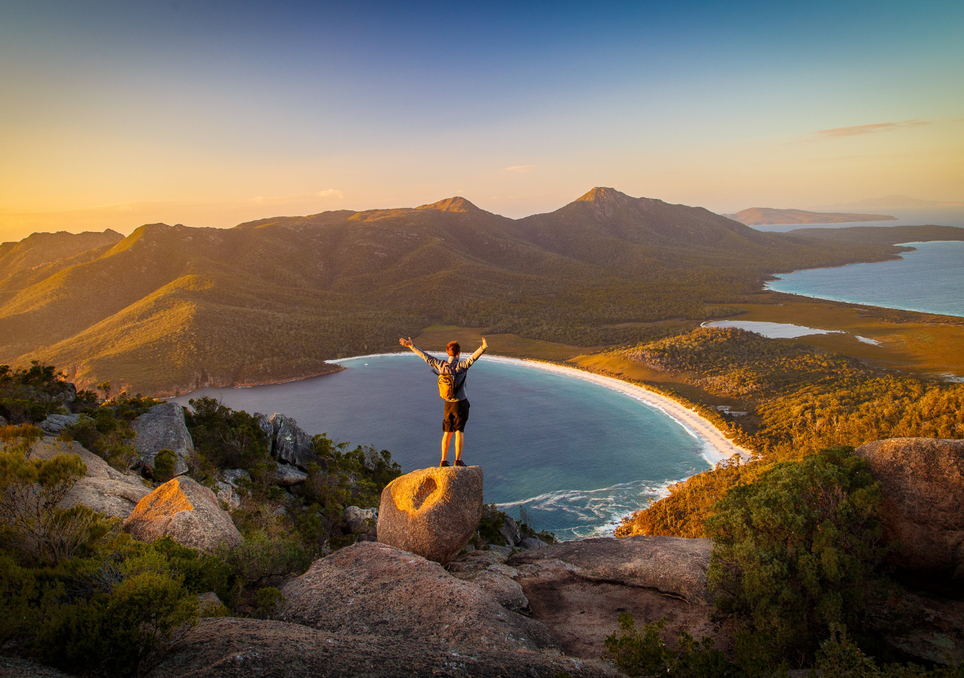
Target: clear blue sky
(118, 112)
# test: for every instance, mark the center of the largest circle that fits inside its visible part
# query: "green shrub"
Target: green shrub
(260, 557)
(645, 653)
(268, 599)
(115, 633)
(165, 462)
(30, 491)
(795, 552)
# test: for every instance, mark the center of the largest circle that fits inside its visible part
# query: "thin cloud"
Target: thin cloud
(866, 129)
(281, 199)
(330, 193)
(519, 168)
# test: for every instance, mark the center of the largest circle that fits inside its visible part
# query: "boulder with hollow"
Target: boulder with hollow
(922, 480)
(163, 428)
(186, 511)
(432, 512)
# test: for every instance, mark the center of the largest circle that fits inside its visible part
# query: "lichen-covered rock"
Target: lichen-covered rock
(186, 511)
(922, 480)
(162, 428)
(233, 475)
(290, 444)
(226, 493)
(371, 587)
(432, 512)
(104, 488)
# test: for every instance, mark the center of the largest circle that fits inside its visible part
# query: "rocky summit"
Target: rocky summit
(432, 512)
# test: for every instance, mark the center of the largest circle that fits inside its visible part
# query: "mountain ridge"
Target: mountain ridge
(172, 308)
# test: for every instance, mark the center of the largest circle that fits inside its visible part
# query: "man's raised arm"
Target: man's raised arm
(415, 349)
(480, 350)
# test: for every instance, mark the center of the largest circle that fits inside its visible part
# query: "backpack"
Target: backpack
(446, 383)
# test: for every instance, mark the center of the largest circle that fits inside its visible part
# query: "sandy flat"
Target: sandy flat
(716, 446)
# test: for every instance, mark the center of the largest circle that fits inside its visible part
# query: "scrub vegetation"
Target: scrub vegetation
(79, 594)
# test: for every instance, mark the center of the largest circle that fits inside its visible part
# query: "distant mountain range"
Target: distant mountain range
(768, 216)
(172, 308)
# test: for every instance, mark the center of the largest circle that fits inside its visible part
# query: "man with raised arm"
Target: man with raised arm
(454, 372)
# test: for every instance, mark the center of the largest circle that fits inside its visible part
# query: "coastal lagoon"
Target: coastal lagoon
(928, 280)
(575, 455)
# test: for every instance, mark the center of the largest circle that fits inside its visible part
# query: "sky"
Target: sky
(117, 113)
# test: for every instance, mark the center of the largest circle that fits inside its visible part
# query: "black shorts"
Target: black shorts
(456, 414)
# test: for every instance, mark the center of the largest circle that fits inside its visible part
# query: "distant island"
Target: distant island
(768, 216)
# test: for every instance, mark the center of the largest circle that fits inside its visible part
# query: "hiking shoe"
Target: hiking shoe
(444, 463)
(459, 462)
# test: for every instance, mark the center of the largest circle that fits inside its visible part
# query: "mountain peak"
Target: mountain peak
(604, 195)
(454, 204)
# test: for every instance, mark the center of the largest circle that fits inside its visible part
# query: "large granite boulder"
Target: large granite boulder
(186, 511)
(922, 480)
(370, 587)
(432, 512)
(289, 444)
(162, 428)
(579, 588)
(229, 646)
(104, 488)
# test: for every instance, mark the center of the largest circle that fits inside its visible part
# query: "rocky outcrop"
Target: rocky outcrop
(488, 571)
(162, 428)
(186, 511)
(289, 444)
(510, 531)
(104, 488)
(672, 566)
(578, 589)
(922, 480)
(55, 423)
(272, 649)
(432, 512)
(374, 588)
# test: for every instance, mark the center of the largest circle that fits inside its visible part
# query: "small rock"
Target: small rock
(55, 423)
(292, 445)
(505, 589)
(287, 476)
(529, 543)
(233, 475)
(186, 511)
(432, 512)
(510, 531)
(358, 518)
(162, 428)
(225, 492)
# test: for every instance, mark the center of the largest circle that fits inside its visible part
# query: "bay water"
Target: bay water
(574, 455)
(928, 280)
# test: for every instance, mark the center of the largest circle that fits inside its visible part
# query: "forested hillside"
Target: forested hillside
(791, 401)
(172, 308)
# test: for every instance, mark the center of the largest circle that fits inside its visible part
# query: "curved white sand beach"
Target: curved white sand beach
(716, 446)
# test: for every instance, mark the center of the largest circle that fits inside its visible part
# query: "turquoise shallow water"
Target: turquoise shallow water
(577, 456)
(929, 280)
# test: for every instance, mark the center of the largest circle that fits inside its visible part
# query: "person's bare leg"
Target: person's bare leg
(446, 437)
(459, 440)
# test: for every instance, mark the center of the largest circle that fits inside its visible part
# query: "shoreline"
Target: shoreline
(716, 446)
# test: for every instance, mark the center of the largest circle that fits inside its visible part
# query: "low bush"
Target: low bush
(796, 552)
